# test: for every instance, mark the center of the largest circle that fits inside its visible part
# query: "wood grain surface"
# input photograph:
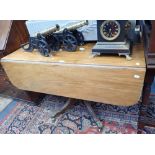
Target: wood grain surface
(82, 57)
(106, 79)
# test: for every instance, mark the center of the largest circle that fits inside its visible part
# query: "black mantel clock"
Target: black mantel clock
(113, 37)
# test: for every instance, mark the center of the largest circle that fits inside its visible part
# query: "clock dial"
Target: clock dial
(110, 29)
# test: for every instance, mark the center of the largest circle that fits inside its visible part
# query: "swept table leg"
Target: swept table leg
(96, 119)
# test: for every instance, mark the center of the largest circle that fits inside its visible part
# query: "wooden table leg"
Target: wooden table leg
(96, 119)
(70, 102)
(142, 121)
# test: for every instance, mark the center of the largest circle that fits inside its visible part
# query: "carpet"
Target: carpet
(21, 117)
(4, 102)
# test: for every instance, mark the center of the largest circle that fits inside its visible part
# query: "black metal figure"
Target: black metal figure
(42, 41)
(55, 38)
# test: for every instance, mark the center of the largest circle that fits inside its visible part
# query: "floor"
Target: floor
(19, 116)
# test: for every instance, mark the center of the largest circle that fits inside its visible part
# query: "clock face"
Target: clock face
(110, 29)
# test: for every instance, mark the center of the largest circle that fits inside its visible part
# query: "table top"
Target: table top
(82, 57)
